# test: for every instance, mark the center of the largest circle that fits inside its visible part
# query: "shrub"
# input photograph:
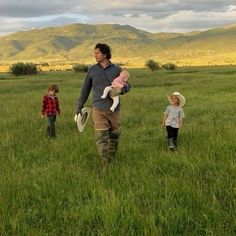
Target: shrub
(23, 69)
(152, 65)
(80, 68)
(44, 64)
(169, 66)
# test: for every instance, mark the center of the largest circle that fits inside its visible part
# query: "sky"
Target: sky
(148, 15)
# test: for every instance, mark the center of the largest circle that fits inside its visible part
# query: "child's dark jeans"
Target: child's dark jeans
(51, 126)
(172, 133)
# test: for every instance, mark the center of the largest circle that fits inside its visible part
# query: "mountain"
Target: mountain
(130, 45)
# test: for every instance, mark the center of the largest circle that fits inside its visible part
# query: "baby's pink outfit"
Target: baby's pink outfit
(118, 82)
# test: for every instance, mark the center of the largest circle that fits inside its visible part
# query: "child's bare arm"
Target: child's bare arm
(180, 122)
(164, 120)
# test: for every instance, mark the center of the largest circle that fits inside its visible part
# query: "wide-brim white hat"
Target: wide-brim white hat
(181, 98)
(82, 120)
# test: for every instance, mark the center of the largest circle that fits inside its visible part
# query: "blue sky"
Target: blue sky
(149, 15)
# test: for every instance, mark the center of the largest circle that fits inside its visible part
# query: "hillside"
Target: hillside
(76, 42)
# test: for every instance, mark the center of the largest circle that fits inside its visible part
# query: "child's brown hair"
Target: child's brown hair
(53, 87)
(177, 99)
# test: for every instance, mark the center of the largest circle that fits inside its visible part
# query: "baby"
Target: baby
(115, 88)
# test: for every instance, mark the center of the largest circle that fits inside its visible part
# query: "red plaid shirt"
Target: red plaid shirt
(50, 105)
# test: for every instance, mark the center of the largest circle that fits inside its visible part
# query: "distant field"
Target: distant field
(56, 187)
(182, 58)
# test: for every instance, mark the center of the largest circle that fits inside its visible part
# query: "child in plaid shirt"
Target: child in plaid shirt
(51, 108)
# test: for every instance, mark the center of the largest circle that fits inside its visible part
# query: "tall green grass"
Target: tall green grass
(56, 187)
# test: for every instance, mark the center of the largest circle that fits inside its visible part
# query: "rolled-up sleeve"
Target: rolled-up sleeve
(85, 91)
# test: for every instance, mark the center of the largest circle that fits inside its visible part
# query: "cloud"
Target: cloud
(29, 8)
(150, 15)
(184, 21)
(9, 25)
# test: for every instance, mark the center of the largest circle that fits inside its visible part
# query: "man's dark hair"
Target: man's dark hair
(105, 49)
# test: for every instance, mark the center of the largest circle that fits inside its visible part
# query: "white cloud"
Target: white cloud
(188, 20)
(151, 15)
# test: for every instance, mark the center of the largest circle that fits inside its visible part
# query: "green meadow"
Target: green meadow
(56, 187)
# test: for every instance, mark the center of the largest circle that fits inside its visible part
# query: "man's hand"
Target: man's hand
(79, 111)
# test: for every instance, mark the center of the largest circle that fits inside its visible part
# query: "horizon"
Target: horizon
(77, 23)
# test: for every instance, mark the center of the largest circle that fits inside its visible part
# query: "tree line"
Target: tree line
(21, 68)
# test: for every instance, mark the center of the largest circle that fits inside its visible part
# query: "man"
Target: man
(107, 124)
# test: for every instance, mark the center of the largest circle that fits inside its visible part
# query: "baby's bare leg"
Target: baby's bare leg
(106, 91)
(116, 100)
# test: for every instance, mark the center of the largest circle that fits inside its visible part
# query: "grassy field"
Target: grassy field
(55, 187)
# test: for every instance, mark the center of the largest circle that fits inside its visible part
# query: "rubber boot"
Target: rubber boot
(175, 143)
(171, 144)
(114, 142)
(102, 143)
(53, 132)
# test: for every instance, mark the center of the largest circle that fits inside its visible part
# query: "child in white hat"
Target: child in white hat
(116, 88)
(173, 118)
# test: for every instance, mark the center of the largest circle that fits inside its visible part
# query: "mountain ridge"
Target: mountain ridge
(75, 42)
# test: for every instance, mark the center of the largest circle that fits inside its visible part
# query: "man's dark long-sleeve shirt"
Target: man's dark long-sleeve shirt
(97, 79)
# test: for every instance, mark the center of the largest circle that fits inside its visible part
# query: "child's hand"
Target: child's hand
(162, 125)
(42, 116)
